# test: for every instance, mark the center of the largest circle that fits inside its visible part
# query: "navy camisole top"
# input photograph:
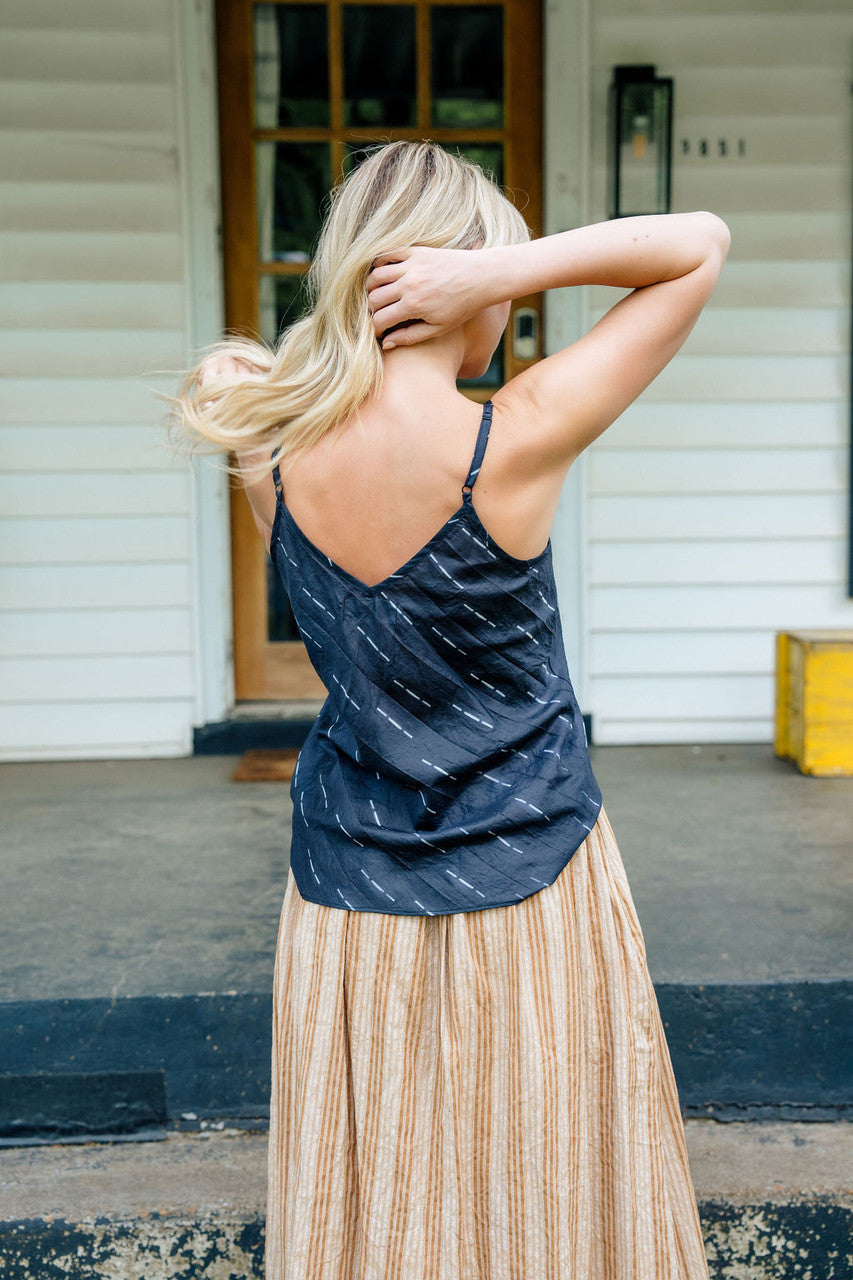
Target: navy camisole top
(448, 769)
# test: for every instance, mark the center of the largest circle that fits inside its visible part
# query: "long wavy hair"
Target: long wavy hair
(326, 363)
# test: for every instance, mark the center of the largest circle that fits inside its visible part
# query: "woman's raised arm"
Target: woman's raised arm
(671, 261)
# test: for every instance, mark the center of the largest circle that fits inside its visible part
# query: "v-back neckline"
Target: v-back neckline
(367, 588)
(466, 504)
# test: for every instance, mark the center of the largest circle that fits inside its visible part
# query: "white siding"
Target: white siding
(717, 504)
(97, 576)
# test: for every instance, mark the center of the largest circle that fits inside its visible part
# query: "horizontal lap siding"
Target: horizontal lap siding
(96, 546)
(717, 504)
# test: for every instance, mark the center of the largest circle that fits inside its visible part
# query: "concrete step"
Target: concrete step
(776, 1051)
(775, 1199)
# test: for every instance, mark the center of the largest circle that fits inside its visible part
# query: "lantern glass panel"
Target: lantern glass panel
(643, 148)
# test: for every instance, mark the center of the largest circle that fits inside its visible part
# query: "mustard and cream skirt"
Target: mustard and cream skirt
(486, 1095)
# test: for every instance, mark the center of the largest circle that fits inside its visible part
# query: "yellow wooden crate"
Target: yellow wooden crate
(814, 701)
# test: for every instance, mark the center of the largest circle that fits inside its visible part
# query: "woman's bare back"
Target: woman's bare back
(373, 493)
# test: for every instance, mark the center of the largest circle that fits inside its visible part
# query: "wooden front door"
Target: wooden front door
(303, 89)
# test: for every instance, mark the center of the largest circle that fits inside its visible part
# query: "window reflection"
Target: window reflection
(467, 66)
(379, 64)
(291, 65)
(282, 299)
(281, 624)
(293, 179)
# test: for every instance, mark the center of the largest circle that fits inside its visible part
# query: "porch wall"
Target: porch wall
(97, 562)
(717, 504)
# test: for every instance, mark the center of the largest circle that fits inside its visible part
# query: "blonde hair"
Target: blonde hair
(326, 363)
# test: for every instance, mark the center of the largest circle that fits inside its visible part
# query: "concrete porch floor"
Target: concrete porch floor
(153, 877)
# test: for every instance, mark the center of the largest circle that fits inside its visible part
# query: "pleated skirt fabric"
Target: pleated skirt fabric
(486, 1095)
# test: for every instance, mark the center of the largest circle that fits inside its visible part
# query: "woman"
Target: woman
(470, 1078)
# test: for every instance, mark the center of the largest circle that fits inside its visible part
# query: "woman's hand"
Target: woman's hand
(224, 367)
(219, 366)
(437, 289)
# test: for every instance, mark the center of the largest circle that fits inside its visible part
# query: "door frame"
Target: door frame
(566, 186)
(282, 671)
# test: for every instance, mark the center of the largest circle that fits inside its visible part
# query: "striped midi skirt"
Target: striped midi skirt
(486, 1095)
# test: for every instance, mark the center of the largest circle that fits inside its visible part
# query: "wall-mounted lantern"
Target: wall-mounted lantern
(639, 165)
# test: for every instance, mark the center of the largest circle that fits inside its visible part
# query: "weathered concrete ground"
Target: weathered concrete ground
(775, 1200)
(146, 877)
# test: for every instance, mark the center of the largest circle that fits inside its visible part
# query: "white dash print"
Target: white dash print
(479, 542)
(426, 806)
(418, 903)
(471, 716)
(311, 865)
(375, 814)
(492, 778)
(401, 612)
(446, 573)
(544, 701)
(535, 809)
(529, 635)
(377, 886)
(477, 613)
(346, 900)
(344, 692)
(318, 602)
(436, 766)
(382, 655)
(493, 688)
(346, 833)
(395, 723)
(547, 602)
(303, 631)
(412, 692)
(448, 641)
(466, 883)
(508, 844)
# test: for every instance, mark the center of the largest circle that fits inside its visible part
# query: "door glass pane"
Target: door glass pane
(379, 64)
(355, 152)
(281, 624)
(467, 66)
(293, 179)
(282, 300)
(494, 375)
(291, 65)
(490, 156)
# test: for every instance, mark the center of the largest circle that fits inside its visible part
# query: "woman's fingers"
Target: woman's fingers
(384, 297)
(394, 255)
(418, 331)
(397, 313)
(384, 275)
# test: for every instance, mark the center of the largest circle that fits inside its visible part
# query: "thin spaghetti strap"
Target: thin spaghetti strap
(479, 451)
(275, 473)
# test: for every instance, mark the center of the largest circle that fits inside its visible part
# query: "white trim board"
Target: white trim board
(196, 105)
(566, 163)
